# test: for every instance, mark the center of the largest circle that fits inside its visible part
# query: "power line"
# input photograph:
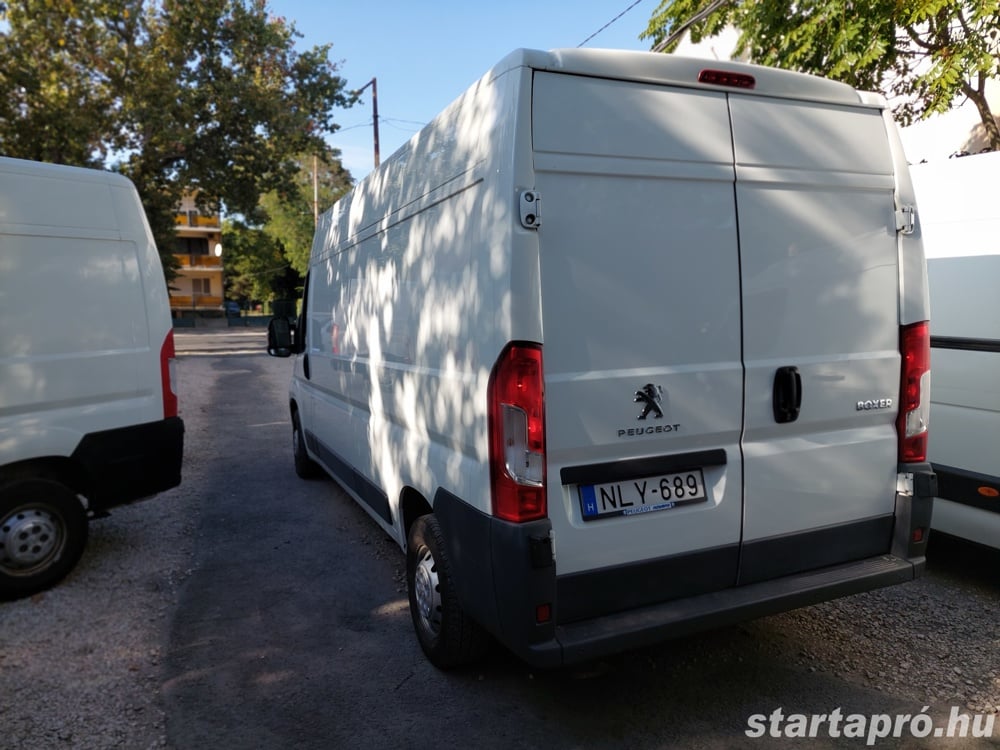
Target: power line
(609, 23)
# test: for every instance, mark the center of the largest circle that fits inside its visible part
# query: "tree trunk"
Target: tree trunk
(978, 97)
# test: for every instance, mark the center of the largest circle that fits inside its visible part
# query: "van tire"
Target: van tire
(305, 467)
(447, 635)
(43, 530)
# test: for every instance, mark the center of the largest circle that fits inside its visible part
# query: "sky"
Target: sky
(424, 54)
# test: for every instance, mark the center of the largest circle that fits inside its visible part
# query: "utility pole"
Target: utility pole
(315, 190)
(374, 86)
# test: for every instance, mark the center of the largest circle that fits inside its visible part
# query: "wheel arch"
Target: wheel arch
(61, 469)
(412, 505)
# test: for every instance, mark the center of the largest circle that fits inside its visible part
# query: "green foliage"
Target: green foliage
(926, 55)
(267, 261)
(209, 97)
(255, 263)
(290, 215)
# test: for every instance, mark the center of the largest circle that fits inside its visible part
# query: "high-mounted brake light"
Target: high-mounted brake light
(914, 392)
(168, 376)
(727, 78)
(517, 434)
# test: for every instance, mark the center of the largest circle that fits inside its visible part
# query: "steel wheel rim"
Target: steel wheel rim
(426, 589)
(31, 537)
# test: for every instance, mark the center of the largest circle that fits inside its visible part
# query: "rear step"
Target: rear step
(591, 639)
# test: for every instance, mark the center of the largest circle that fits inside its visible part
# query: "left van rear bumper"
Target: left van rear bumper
(129, 463)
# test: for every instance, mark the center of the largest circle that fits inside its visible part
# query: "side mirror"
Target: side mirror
(280, 337)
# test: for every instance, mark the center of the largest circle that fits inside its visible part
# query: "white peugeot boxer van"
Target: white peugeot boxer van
(621, 346)
(960, 224)
(88, 403)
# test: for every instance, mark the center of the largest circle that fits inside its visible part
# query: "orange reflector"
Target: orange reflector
(989, 491)
(543, 613)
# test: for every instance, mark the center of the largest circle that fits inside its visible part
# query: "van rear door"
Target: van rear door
(720, 310)
(820, 290)
(641, 320)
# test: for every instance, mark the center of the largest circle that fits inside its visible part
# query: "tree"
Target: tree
(290, 215)
(267, 260)
(929, 53)
(256, 268)
(209, 97)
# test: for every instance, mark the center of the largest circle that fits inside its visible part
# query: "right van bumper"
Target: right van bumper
(506, 580)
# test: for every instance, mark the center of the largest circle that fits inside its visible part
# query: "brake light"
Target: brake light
(168, 376)
(914, 392)
(517, 434)
(727, 78)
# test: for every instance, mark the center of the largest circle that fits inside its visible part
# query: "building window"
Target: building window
(201, 286)
(191, 246)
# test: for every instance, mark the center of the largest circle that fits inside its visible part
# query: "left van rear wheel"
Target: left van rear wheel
(43, 530)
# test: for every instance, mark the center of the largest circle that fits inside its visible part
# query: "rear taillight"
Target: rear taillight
(168, 376)
(914, 392)
(517, 434)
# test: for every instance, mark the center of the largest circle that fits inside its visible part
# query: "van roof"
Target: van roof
(60, 171)
(654, 67)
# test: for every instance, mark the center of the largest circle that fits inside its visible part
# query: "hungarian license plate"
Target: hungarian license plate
(635, 496)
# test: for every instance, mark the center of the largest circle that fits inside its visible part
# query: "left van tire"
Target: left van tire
(43, 530)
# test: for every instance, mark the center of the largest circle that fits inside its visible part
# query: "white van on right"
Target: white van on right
(960, 222)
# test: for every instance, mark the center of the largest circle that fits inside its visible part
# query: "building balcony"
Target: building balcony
(197, 220)
(199, 302)
(198, 262)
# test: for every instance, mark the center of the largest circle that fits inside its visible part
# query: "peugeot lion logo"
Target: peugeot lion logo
(649, 397)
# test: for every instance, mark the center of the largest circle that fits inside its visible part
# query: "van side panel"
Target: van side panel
(818, 250)
(958, 216)
(409, 306)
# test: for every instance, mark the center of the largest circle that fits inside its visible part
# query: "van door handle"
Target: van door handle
(787, 394)
(305, 366)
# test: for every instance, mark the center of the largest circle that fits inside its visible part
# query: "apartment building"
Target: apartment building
(198, 247)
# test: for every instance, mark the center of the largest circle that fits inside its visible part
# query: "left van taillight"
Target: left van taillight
(517, 434)
(168, 376)
(915, 392)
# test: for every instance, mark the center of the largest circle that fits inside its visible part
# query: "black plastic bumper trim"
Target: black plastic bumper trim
(130, 463)
(361, 486)
(964, 487)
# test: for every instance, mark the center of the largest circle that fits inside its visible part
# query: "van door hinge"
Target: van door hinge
(530, 203)
(905, 218)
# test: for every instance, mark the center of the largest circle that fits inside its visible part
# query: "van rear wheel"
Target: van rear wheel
(447, 635)
(43, 530)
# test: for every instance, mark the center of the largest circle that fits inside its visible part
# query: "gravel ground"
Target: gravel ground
(80, 663)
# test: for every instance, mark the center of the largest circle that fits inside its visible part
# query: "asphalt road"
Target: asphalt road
(292, 629)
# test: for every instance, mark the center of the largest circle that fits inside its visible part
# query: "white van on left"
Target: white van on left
(88, 399)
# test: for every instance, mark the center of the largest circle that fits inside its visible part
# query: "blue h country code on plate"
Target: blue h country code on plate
(639, 496)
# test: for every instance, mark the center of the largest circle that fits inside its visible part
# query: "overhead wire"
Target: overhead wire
(609, 23)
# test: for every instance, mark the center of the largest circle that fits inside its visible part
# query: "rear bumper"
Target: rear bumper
(506, 580)
(130, 463)
(649, 625)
